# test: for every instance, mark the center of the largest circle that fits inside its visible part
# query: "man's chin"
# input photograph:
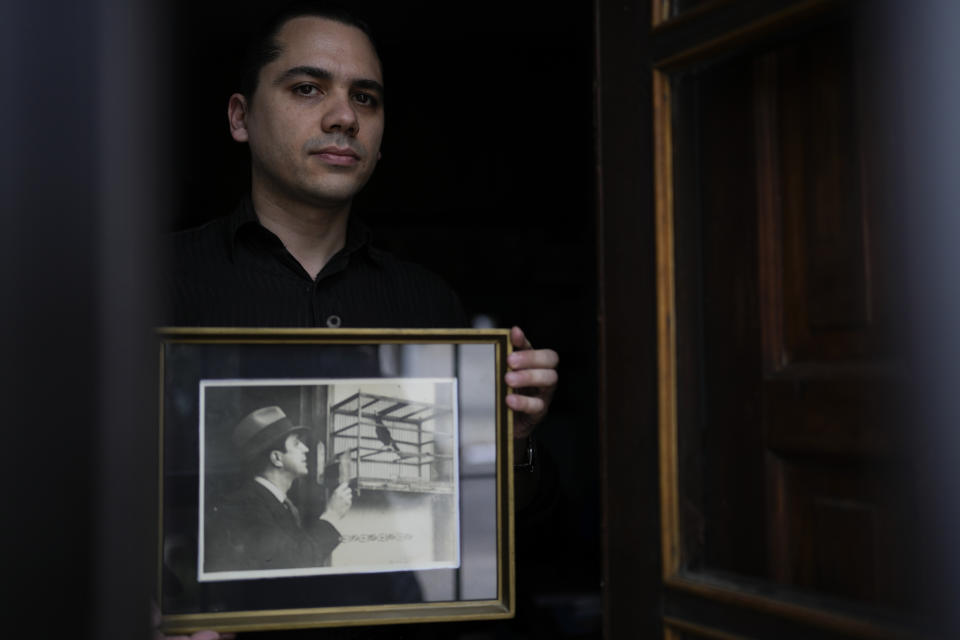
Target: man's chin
(323, 189)
(335, 190)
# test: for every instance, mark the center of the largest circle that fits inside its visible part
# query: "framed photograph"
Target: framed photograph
(325, 477)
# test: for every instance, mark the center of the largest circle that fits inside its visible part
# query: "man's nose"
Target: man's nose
(340, 115)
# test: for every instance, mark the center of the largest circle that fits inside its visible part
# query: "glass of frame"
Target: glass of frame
(323, 477)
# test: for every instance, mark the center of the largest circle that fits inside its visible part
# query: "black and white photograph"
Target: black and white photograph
(325, 476)
(313, 476)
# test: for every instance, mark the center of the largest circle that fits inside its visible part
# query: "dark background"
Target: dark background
(487, 179)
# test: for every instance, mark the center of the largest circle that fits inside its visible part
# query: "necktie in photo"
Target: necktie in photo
(292, 508)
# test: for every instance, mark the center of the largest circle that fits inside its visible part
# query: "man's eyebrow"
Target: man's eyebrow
(370, 85)
(313, 72)
(323, 74)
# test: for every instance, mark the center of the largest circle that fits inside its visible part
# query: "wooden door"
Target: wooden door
(788, 500)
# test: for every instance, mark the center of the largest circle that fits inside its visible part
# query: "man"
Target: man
(258, 527)
(311, 110)
(312, 113)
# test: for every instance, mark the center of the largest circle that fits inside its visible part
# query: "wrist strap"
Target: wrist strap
(531, 457)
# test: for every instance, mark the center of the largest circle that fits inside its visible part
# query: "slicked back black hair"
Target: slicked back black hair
(263, 47)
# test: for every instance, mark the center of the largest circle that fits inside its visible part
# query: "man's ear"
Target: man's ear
(237, 116)
(276, 458)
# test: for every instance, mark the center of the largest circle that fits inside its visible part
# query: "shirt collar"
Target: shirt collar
(272, 488)
(358, 233)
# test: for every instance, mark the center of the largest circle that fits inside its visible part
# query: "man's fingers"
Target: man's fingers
(532, 378)
(533, 372)
(518, 339)
(526, 404)
(344, 493)
(534, 359)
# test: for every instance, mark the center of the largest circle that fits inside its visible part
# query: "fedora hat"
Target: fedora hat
(261, 428)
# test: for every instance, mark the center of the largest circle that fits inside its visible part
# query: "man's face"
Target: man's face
(294, 456)
(315, 121)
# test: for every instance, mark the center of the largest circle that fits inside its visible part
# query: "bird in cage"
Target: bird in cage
(384, 436)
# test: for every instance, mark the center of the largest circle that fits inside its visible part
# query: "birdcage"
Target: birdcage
(390, 443)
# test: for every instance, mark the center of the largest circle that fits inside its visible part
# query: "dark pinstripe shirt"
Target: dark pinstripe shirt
(233, 272)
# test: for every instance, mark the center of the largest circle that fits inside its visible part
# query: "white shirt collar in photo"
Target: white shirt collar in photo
(272, 488)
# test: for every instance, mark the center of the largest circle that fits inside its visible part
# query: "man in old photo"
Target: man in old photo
(258, 527)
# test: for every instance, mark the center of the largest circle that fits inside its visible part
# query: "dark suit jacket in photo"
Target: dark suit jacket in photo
(252, 530)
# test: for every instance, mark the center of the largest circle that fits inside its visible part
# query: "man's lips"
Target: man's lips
(337, 155)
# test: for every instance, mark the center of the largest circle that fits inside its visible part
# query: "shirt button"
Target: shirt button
(333, 321)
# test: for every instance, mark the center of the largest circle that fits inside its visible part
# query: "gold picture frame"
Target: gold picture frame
(418, 543)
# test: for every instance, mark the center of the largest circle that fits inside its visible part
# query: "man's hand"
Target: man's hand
(533, 374)
(340, 501)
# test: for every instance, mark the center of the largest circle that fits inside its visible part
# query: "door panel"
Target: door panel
(784, 444)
